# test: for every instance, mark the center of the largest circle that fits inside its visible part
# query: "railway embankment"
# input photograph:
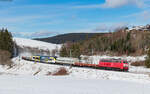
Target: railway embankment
(23, 67)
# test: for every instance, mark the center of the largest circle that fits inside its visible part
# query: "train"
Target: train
(112, 64)
(115, 64)
(44, 59)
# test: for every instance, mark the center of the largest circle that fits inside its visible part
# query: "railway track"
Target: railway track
(89, 67)
(72, 65)
(147, 73)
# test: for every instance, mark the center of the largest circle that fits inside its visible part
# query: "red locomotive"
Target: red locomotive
(114, 64)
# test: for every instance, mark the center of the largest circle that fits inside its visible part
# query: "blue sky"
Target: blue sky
(42, 18)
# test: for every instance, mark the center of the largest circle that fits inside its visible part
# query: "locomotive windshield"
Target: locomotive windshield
(125, 62)
(112, 60)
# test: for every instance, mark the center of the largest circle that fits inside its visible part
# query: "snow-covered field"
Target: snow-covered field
(22, 67)
(63, 85)
(22, 79)
(27, 77)
(35, 44)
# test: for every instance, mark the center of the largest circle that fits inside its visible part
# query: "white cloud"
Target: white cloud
(17, 19)
(145, 15)
(101, 27)
(43, 33)
(112, 27)
(119, 3)
(114, 4)
(142, 16)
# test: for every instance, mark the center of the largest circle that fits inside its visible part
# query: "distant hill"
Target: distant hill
(121, 42)
(72, 37)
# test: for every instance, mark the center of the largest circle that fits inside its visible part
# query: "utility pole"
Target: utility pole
(92, 51)
(70, 54)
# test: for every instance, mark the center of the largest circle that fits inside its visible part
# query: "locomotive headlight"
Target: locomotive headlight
(125, 65)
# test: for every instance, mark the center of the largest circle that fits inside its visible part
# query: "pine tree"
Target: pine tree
(9, 41)
(6, 41)
(147, 61)
(63, 51)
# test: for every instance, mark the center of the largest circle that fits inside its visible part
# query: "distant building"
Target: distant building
(139, 28)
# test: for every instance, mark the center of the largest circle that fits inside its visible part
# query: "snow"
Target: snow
(138, 27)
(22, 67)
(36, 44)
(27, 77)
(95, 59)
(139, 69)
(61, 85)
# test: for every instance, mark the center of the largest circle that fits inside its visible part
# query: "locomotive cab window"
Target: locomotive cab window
(36, 57)
(43, 58)
(125, 62)
(50, 59)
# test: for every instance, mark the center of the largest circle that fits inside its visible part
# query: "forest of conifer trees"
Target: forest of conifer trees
(6, 47)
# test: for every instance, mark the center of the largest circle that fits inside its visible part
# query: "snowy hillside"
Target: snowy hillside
(33, 47)
(35, 44)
